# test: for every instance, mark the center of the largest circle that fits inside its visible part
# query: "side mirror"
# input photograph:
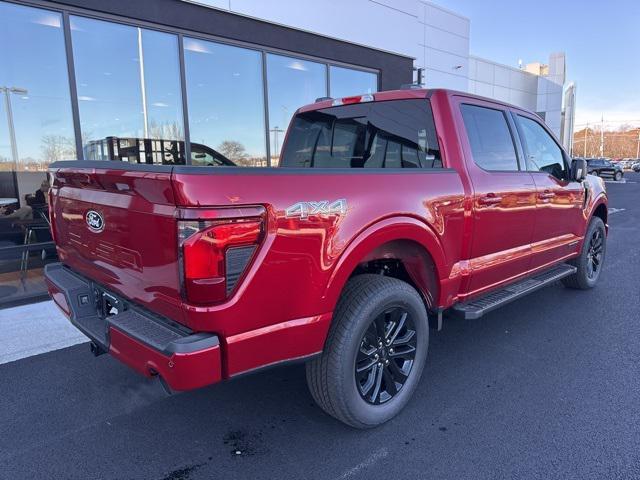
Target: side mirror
(578, 169)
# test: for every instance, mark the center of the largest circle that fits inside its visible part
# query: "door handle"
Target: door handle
(546, 195)
(490, 199)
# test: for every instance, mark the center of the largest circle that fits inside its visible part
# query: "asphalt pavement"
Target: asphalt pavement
(547, 387)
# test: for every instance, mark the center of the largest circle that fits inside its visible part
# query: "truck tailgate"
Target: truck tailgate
(118, 228)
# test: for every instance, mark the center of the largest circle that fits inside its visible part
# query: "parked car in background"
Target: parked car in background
(627, 163)
(604, 168)
(636, 167)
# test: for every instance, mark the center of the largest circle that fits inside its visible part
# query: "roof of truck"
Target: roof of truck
(404, 94)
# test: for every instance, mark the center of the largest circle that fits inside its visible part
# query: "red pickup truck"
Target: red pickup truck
(386, 212)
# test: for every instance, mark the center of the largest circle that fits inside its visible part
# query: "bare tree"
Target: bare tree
(166, 131)
(621, 142)
(56, 147)
(236, 152)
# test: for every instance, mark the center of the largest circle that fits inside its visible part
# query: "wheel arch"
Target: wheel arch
(600, 210)
(405, 240)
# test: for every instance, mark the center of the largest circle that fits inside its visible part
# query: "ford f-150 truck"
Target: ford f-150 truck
(387, 213)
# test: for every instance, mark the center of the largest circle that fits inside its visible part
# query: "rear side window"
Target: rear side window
(490, 138)
(391, 134)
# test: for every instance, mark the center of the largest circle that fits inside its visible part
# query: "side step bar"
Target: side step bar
(476, 308)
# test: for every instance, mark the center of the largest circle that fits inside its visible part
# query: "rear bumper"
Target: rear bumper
(149, 344)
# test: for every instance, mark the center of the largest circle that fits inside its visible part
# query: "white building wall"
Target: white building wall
(437, 38)
(541, 94)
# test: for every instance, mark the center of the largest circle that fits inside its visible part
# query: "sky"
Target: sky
(601, 40)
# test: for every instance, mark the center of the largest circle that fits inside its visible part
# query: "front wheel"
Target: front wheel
(590, 262)
(618, 176)
(374, 354)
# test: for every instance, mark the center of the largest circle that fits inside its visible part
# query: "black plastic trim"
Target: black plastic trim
(305, 171)
(479, 306)
(198, 170)
(111, 165)
(74, 285)
(279, 363)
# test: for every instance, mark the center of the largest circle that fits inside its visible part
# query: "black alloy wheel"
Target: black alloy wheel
(595, 254)
(386, 355)
(374, 354)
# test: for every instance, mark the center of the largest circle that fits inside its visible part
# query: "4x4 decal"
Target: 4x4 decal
(303, 210)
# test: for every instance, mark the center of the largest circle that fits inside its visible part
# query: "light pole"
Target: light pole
(12, 131)
(275, 130)
(585, 141)
(602, 136)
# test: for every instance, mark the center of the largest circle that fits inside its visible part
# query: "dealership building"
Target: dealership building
(171, 81)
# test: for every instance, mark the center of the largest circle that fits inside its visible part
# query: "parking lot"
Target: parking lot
(547, 387)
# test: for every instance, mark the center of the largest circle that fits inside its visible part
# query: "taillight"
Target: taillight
(215, 254)
(52, 224)
(355, 99)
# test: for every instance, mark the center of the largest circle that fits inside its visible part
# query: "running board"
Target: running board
(478, 307)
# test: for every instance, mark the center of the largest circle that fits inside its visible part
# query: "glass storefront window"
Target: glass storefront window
(36, 128)
(291, 83)
(128, 82)
(345, 82)
(130, 108)
(225, 104)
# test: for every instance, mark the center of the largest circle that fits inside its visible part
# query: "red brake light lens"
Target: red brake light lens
(52, 223)
(355, 99)
(215, 254)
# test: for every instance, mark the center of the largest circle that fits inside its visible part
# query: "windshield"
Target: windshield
(391, 134)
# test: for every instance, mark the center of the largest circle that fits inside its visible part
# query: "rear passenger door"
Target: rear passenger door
(504, 197)
(559, 221)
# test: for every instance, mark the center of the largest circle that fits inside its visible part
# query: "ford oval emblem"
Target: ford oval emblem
(94, 221)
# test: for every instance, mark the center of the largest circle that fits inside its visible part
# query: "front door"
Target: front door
(504, 199)
(559, 221)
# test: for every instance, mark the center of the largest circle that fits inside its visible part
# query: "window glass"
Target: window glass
(490, 138)
(33, 67)
(291, 83)
(225, 103)
(36, 128)
(128, 82)
(543, 153)
(392, 134)
(205, 156)
(345, 82)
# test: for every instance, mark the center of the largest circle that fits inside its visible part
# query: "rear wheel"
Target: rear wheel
(374, 354)
(591, 259)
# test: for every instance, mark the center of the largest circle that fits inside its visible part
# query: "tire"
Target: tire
(585, 277)
(332, 378)
(617, 176)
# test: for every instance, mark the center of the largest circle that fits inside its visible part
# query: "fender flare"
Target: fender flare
(601, 199)
(382, 232)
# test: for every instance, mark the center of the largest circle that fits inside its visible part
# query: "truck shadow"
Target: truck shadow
(267, 415)
(267, 425)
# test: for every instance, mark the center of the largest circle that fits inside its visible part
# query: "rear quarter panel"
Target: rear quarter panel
(303, 263)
